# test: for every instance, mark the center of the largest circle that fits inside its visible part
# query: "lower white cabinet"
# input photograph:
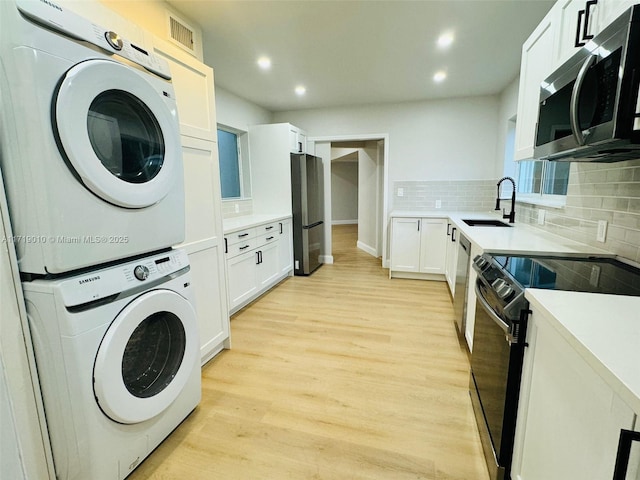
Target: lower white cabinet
(451, 258)
(418, 247)
(258, 258)
(569, 419)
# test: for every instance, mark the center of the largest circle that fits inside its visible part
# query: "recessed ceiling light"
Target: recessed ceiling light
(439, 76)
(300, 90)
(445, 39)
(264, 63)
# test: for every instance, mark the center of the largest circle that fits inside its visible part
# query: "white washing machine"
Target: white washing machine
(89, 141)
(118, 359)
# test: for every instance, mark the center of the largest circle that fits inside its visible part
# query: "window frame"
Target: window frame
(541, 198)
(244, 166)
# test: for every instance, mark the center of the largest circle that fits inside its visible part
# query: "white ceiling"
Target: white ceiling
(362, 52)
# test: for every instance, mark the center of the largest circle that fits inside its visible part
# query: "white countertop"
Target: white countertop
(230, 225)
(519, 238)
(604, 330)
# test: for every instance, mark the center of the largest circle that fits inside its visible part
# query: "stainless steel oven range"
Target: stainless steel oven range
(500, 331)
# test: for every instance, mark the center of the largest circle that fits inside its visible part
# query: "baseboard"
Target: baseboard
(326, 259)
(344, 222)
(370, 250)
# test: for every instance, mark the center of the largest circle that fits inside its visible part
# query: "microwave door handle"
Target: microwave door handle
(575, 95)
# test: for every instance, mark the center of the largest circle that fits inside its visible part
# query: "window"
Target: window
(234, 166)
(543, 181)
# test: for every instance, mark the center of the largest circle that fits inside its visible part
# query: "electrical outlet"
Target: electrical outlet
(602, 231)
(400, 192)
(236, 207)
(438, 203)
(541, 214)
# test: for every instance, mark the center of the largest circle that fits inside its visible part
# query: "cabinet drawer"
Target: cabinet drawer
(240, 236)
(242, 246)
(268, 228)
(266, 238)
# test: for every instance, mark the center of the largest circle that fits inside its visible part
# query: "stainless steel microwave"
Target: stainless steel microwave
(590, 107)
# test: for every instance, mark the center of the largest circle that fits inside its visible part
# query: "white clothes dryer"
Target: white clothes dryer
(118, 360)
(89, 141)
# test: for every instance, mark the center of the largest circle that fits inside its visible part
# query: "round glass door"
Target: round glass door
(146, 357)
(118, 132)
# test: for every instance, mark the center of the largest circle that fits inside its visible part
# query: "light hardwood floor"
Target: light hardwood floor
(341, 375)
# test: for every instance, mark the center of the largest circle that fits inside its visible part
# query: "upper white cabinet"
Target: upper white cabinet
(536, 64)
(608, 10)
(575, 20)
(297, 140)
(418, 246)
(193, 84)
(270, 147)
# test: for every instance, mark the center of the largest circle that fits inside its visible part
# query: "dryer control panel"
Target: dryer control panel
(125, 279)
(72, 25)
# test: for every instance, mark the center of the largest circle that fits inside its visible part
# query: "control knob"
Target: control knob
(481, 262)
(141, 272)
(114, 40)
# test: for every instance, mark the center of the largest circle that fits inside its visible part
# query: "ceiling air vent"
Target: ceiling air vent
(182, 34)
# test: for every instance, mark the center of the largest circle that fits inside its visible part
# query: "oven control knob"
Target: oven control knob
(114, 40)
(141, 272)
(498, 284)
(505, 292)
(481, 262)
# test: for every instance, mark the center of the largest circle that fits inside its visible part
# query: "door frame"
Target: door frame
(311, 147)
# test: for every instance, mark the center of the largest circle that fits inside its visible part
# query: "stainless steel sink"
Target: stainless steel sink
(485, 223)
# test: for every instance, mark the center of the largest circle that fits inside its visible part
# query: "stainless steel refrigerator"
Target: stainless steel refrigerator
(307, 202)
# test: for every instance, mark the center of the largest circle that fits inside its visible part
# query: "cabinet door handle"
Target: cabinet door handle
(418, 225)
(270, 238)
(258, 257)
(579, 42)
(624, 452)
(448, 229)
(280, 228)
(453, 234)
(226, 246)
(244, 248)
(268, 228)
(242, 235)
(587, 16)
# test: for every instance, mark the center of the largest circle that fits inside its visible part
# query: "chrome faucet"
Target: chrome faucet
(512, 214)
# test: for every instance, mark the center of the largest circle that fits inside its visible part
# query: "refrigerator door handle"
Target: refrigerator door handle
(307, 227)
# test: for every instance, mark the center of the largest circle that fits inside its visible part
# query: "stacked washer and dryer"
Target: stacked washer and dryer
(90, 154)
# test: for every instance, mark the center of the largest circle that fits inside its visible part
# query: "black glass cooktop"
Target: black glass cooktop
(594, 274)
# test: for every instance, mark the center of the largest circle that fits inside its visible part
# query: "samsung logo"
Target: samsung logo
(51, 4)
(89, 279)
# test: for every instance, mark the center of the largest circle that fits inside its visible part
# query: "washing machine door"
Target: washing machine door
(146, 357)
(119, 134)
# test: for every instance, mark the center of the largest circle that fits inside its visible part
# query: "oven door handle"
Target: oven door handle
(501, 323)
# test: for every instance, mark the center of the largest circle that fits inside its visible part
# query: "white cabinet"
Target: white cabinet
(297, 140)
(194, 90)
(285, 247)
(451, 257)
(569, 419)
(258, 257)
(418, 246)
(570, 28)
(433, 245)
(536, 64)
(270, 149)
(606, 11)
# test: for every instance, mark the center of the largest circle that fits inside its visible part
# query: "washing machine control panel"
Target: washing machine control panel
(123, 278)
(73, 25)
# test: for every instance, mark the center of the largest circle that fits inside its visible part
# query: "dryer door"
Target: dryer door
(119, 134)
(146, 357)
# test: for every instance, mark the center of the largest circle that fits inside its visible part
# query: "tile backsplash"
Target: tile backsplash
(597, 191)
(452, 195)
(245, 207)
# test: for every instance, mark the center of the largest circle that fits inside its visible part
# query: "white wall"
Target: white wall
(431, 140)
(507, 110)
(344, 192)
(368, 198)
(237, 112)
